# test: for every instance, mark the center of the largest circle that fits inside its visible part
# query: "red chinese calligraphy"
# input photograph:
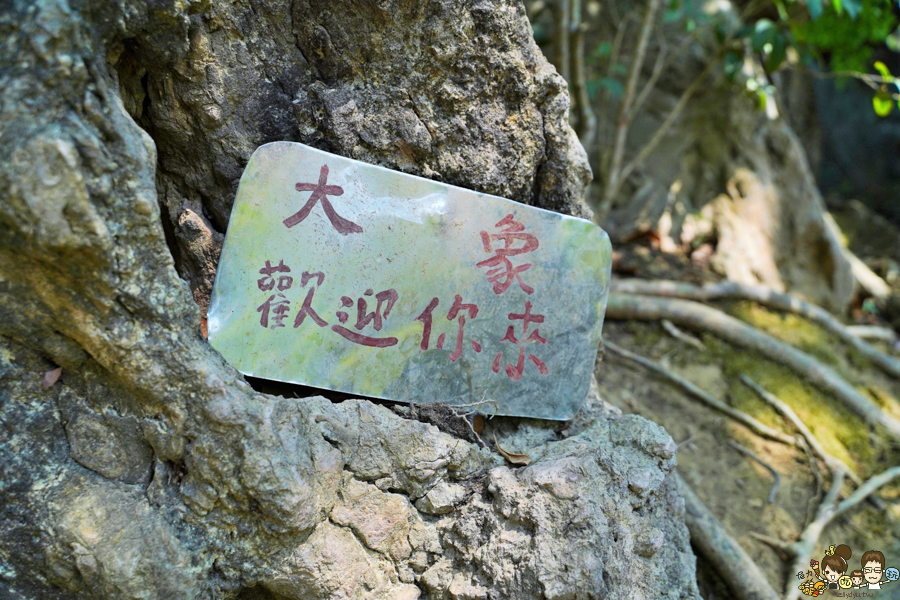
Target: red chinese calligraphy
(306, 309)
(277, 307)
(514, 372)
(320, 192)
(501, 271)
(386, 299)
(276, 304)
(457, 307)
(425, 318)
(267, 282)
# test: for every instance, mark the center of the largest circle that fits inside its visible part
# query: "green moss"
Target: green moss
(646, 335)
(791, 329)
(841, 432)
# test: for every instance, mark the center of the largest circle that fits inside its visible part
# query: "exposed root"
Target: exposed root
(802, 550)
(694, 315)
(739, 416)
(766, 297)
(833, 463)
(727, 557)
(678, 334)
(747, 452)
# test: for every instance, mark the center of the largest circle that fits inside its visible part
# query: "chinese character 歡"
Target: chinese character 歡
(267, 282)
(306, 310)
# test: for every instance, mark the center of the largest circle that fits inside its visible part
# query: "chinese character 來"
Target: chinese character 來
(514, 372)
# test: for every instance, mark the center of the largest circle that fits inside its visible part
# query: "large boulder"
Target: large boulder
(151, 469)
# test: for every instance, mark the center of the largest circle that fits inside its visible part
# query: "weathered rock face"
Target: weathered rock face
(151, 469)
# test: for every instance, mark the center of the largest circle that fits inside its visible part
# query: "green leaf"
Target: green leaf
(854, 7)
(882, 104)
(777, 54)
(838, 7)
(815, 8)
(612, 86)
(763, 33)
(603, 49)
(671, 16)
(885, 72)
(732, 65)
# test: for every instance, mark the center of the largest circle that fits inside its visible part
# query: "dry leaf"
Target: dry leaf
(512, 457)
(478, 423)
(50, 377)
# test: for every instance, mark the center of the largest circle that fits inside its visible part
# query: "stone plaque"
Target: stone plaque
(351, 277)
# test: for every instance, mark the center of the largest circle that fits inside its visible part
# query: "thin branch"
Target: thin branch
(741, 417)
(587, 121)
(663, 129)
(561, 19)
(651, 82)
(603, 158)
(749, 453)
(612, 184)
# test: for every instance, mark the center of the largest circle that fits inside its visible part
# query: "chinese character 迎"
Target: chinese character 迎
(386, 298)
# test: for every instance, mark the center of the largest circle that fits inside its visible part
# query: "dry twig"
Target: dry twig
(802, 550)
(678, 334)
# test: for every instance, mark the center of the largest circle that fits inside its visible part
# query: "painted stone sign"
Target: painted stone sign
(351, 277)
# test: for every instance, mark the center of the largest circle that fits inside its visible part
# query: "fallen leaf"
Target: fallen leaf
(478, 423)
(50, 377)
(512, 457)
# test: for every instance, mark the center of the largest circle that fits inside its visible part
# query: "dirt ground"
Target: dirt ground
(734, 486)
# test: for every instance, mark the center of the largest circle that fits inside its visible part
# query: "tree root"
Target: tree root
(726, 556)
(694, 315)
(678, 334)
(802, 550)
(739, 416)
(766, 297)
(833, 463)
